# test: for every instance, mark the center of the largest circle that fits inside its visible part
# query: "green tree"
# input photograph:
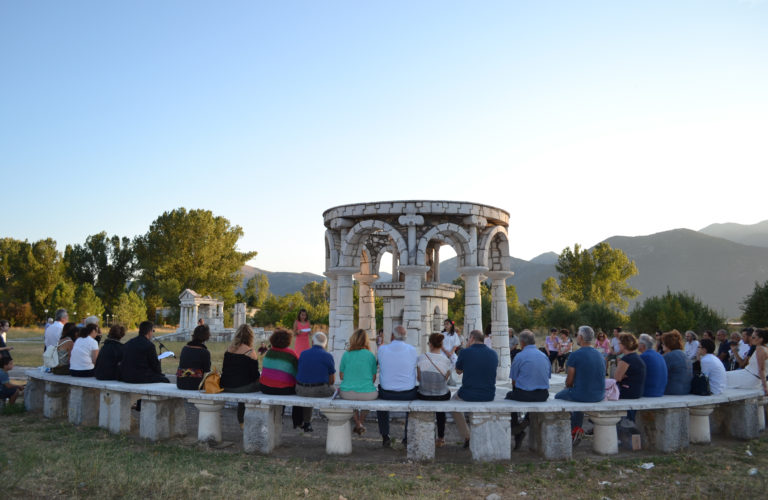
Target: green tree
(88, 302)
(63, 297)
(755, 306)
(600, 276)
(195, 248)
(29, 272)
(256, 290)
(518, 316)
(130, 310)
(598, 316)
(679, 310)
(561, 313)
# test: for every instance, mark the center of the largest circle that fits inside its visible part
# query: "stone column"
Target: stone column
(208, 420)
(500, 321)
(421, 435)
(665, 430)
(262, 427)
(115, 411)
(332, 292)
(83, 407)
(193, 323)
(550, 435)
(338, 440)
(698, 424)
(55, 400)
(34, 393)
(366, 310)
(161, 417)
(491, 436)
(605, 440)
(345, 311)
(436, 265)
(473, 311)
(412, 302)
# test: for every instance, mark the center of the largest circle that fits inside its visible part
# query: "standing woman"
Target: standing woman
(301, 329)
(240, 368)
(5, 351)
(357, 371)
(603, 344)
(84, 352)
(451, 340)
(195, 360)
(564, 349)
(434, 370)
(551, 345)
(67, 340)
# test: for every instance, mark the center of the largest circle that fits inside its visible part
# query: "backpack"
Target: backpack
(51, 357)
(700, 385)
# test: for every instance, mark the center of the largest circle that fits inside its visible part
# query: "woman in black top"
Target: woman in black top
(240, 369)
(107, 366)
(630, 370)
(194, 361)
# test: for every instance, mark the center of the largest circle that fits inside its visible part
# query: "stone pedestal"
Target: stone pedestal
(83, 407)
(698, 424)
(550, 435)
(162, 418)
(491, 436)
(761, 403)
(338, 440)
(262, 428)
(741, 419)
(34, 392)
(55, 400)
(208, 420)
(412, 302)
(665, 430)
(115, 411)
(421, 435)
(605, 440)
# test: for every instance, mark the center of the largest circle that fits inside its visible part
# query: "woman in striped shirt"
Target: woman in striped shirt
(278, 371)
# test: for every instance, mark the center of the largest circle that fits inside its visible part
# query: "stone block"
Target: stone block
(550, 435)
(34, 392)
(665, 430)
(742, 420)
(115, 411)
(491, 436)
(161, 418)
(262, 427)
(83, 406)
(55, 400)
(421, 436)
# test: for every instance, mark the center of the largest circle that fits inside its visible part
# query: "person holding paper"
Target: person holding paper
(301, 330)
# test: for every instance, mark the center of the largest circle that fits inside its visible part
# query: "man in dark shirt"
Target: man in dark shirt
(315, 376)
(478, 364)
(140, 364)
(724, 350)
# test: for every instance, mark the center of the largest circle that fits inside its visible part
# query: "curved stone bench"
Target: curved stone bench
(667, 423)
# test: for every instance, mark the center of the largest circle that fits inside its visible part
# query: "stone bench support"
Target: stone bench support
(338, 440)
(550, 435)
(115, 411)
(83, 407)
(742, 419)
(606, 441)
(699, 424)
(421, 435)
(161, 418)
(34, 392)
(491, 436)
(262, 427)
(665, 430)
(209, 420)
(761, 405)
(55, 400)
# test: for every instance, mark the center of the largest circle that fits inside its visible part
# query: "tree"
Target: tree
(87, 302)
(598, 276)
(29, 272)
(63, 297)
(755, 306)
(518, 316)
(130, 310)
(679, 310)
(598, 316)
(195, 248)
(561, 313)
(256, 290)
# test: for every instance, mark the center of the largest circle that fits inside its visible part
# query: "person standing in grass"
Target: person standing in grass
(5, 351)
(301, 330)
(8, 390)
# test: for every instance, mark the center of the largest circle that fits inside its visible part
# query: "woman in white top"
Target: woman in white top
(84, 353)
(451, 340)
(691, 348)
(753, 376)
(433, 370)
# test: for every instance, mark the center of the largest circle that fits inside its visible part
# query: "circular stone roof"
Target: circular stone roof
(417, 207)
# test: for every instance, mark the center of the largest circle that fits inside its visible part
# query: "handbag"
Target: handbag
(211, 383)
(700, 385)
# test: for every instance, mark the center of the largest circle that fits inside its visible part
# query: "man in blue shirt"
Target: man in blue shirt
(655, 367)
(315, 375)
(397, 379)
(478, 363)
(585, 378)
(530, 373)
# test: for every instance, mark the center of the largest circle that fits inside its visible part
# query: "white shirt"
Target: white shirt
(743, 349)
(53, 333)
(449, 342)
(616, 345)
(691, 349)
(713, 368)
(397, 366)
(81, 358)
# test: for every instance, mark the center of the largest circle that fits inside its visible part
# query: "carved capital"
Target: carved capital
(411, 220)
(475, 220)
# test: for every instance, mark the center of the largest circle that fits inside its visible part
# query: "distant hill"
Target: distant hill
(280, 283)
(746, 234)
(548, 258)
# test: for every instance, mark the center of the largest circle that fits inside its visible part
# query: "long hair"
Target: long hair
(358, 340)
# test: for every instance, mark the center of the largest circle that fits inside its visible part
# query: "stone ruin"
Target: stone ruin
(193, 306)
(358, 235)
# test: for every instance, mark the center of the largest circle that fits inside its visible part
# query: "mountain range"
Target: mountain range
(719, 264)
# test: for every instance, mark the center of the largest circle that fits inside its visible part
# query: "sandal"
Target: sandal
(439, 442)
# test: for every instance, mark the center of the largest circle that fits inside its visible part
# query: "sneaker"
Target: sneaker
(307, 427)
(576, 434)
(386, 442)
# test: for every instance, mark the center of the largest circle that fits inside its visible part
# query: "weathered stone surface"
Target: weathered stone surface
(209, 419)
(161, 418)
(550, 435)
(115, 411)
(605, 440)
(421, 436)
(665, 430)
(262, 427)
(491, 437)
(34, 392)
(55, 400)
(339, 438)
(83, 407)
(698, 424)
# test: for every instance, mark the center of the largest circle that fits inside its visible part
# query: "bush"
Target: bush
(680, 310)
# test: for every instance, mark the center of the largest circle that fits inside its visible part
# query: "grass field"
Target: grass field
(42, 458)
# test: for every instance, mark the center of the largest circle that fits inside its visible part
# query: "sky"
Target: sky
(584, 120)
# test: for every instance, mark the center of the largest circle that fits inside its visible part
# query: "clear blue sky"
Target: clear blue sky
(582, 119)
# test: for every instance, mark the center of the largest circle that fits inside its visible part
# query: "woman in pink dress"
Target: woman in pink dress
(302, 330)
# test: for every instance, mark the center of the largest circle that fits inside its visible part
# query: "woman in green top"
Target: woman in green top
(358, 373)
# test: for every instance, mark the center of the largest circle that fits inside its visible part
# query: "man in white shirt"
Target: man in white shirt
(712, 367)
(397, 378)
(53, 332)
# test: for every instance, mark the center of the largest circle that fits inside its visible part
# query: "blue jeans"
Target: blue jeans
(577, 417)
(382, 417)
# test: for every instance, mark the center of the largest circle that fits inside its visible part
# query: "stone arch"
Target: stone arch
(459, 239)
(366, 266)
(331, 250)
(350, 254)
(493, 249)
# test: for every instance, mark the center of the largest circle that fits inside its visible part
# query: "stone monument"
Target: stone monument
(358, 235)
